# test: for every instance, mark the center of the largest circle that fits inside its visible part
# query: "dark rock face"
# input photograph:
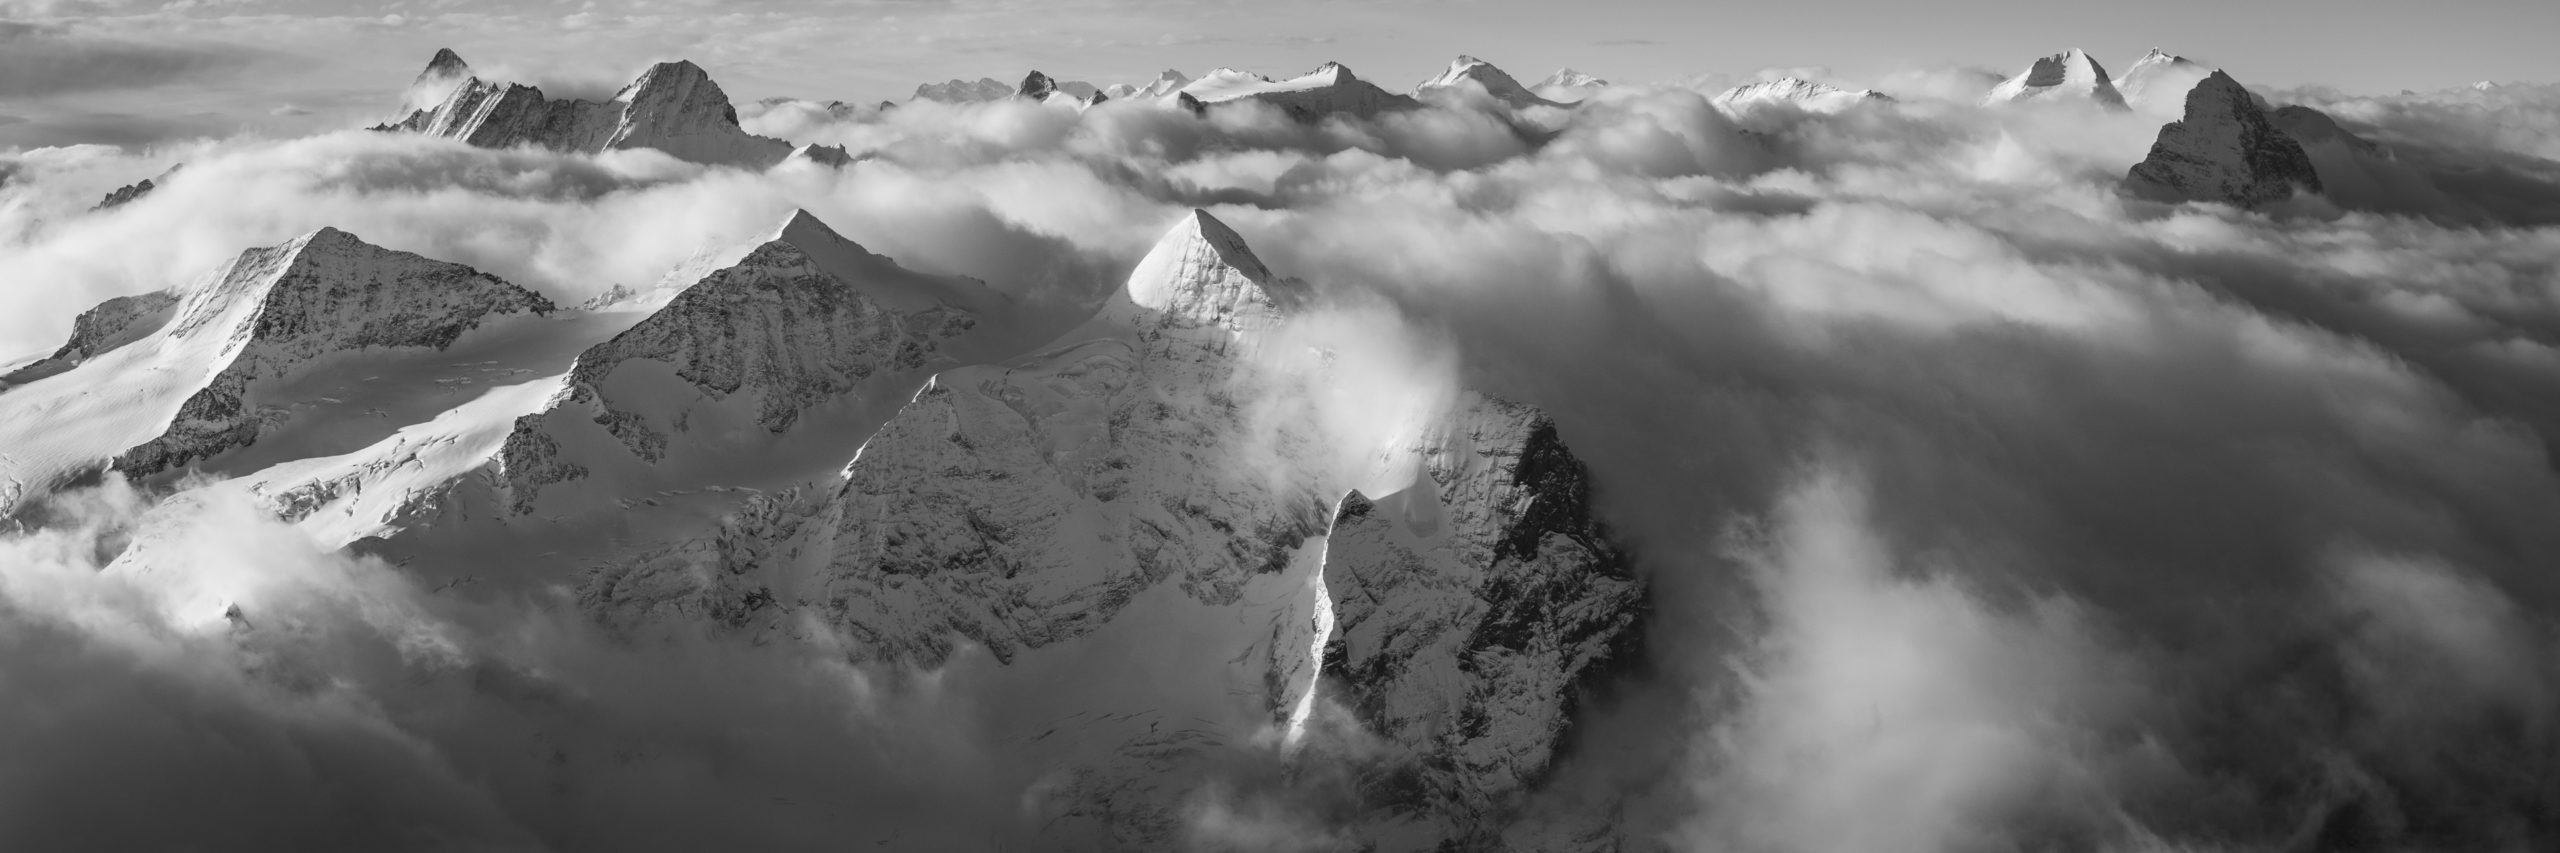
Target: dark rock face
(1470, 611)
(1037, 87)
(2224, 150)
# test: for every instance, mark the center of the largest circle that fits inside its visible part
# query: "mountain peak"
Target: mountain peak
(2224, 149)
(1493, 80)
(2069, 74)
(678, 73)
(329, 236)
(445, 64)
(1201, 273)
(801, 224)
(1802, 93)
(1038, 86)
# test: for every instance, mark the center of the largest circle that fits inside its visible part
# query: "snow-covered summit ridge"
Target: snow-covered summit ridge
(673, 107)
(2069, 75)
(1467, 71)
(1163, 87)
(1802, 93)
(1329, 89)
(2157, 84)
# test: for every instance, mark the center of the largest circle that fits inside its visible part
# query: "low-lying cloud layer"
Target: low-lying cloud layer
(1984, 509)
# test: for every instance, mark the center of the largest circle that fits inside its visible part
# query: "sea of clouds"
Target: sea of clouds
(1983, 509)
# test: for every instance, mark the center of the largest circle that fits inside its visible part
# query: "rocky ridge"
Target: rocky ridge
(672, 107)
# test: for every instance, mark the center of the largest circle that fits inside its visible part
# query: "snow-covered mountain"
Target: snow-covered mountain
(1162, 87)
(2157, 84)
(1468, 74)
(159, 381)
(1328, 90)
(805, 319)
(2224, 149)
(1568, 85)
(1799, 93)
(673, 107)
(2069, 76)
(1146, 476)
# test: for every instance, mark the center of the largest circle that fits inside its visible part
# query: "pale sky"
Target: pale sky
(118, 72)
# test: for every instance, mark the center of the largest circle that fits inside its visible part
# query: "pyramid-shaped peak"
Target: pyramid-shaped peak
(1229, 245)
(2071, 72)
(446, 64)
(1201, 273)
(671, 73)
(805, 230)
(328, 237)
